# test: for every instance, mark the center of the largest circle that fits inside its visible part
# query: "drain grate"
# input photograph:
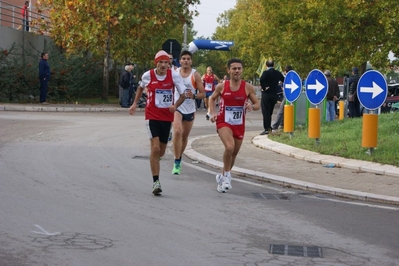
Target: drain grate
(271, 196)
(299, 251)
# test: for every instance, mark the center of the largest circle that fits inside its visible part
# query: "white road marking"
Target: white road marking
(44, 232)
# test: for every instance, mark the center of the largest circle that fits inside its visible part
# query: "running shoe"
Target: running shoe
(207, 116)
(176, 169)
(226, 184)
(156, 188)
(219, 180)
(170, 136)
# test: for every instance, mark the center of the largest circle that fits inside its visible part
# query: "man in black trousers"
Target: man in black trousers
(269, 82)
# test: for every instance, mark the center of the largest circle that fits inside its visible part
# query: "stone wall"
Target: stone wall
(26, 41)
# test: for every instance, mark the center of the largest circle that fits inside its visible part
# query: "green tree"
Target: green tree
(245, 25)
(312, 34)
(115, 29)
(343, 33)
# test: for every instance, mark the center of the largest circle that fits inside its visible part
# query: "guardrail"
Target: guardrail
(10, 16)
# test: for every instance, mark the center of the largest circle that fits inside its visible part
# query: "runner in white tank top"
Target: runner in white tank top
(184, 117)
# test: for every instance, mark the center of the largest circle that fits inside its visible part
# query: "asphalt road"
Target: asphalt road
(75, 189)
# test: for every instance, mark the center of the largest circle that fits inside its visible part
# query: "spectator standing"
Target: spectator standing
(185, 114)
(25, 16)
(44, 77)
(209, 80)
(126, 82)
(159, 112)
(332, 96)
(354, 104)
(280, 113)
(230, 121)
(269, 82)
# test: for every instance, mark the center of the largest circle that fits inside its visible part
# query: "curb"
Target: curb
(376, 168)
(289, 182)
(23, 108)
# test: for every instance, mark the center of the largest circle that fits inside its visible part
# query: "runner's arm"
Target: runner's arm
(180, 88)
(254, 105)
(212, 100)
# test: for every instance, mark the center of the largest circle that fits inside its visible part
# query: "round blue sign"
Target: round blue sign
(292, 86)
(372, 89)
(316, 87)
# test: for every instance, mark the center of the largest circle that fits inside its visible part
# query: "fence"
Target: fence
(10, 16)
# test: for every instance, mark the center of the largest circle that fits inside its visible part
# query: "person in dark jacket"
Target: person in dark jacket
(332, 96)
(44, 77)
(269, 82)
(279, 122)
(354, 104)
(126, 82)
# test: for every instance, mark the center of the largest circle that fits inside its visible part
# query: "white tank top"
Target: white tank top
(188, 106)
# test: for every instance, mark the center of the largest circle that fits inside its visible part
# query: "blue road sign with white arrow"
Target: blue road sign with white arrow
(292, 86)
(316, 87)
(372, 89)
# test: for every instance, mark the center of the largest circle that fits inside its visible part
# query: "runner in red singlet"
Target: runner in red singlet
(209, 79)
(230, 121)
(159, 112)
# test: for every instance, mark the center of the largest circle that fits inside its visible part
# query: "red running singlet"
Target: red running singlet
(159, 98)
(232, 109)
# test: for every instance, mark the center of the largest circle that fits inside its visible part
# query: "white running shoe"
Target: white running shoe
(226, 184)
(219, 180)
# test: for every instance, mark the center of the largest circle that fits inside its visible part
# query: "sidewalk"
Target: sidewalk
(269, 161)
(36, 107)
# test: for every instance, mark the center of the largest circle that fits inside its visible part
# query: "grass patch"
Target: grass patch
(344, 139)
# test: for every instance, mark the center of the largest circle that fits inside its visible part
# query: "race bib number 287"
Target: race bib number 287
(234, 115)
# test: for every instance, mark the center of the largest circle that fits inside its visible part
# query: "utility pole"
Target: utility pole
(185, 32)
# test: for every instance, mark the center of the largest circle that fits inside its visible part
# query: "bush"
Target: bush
(74, 76)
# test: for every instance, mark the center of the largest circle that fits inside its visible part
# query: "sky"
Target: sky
(205, 24)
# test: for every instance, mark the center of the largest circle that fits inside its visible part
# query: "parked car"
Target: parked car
(395, 108)
(392, 97)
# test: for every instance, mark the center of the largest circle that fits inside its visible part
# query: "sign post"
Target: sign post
(316, 91)
(372, 90)
(292, 90)
(173, 47)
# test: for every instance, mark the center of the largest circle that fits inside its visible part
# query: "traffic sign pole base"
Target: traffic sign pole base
(370, 151)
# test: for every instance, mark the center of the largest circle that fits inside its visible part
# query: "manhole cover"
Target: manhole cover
(271, 196)
(299, 251)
